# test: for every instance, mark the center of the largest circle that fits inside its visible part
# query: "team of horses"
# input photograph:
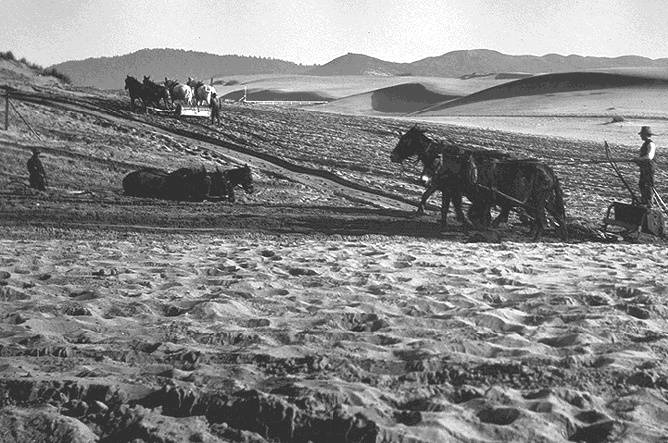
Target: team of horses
(488, 179)
(150, 93)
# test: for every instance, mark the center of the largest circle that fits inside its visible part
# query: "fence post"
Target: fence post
(6, 109)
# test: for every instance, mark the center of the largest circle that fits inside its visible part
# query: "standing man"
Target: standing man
(36, 171)
(645, 161)
(215, 108)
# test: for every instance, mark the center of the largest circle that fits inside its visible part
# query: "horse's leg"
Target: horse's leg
(425, 196)
(503, 215)
(230, 195)
(445, 207)
(540, 219)
(457, 204)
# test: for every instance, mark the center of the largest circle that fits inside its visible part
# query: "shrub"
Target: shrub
(9, 55)
(57, 74)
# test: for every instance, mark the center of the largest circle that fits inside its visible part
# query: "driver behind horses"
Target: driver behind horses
(645, 161)
(215, 109)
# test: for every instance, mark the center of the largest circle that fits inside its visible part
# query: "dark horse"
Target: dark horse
(188, 184)
(525, 183)
(414, 143)
(136, 90)
(232, 178)
(155, 92)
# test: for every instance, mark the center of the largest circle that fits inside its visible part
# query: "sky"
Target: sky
(316, 31)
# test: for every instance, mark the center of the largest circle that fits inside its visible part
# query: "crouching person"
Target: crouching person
(36, 171)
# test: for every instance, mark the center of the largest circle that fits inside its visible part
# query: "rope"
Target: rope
(587, 162)
(24, 120)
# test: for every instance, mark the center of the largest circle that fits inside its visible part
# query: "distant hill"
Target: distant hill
(459, 63)
(360, 64)
(478, 63)
(110, 72)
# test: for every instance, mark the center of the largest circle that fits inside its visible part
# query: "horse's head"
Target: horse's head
(412, 143)
(147, 79)
(129, 80)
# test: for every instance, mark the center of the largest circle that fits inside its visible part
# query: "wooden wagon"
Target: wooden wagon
(182, 111)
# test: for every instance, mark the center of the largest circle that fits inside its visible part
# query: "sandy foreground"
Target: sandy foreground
(327, 338)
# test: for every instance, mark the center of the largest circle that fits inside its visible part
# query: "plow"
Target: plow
(631, 219)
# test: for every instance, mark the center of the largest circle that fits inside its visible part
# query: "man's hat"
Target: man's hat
(646, 130)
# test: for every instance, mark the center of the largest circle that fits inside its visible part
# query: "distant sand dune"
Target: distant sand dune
(276, 95)
(552, 84)
(404, 98)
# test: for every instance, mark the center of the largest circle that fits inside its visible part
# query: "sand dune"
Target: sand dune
(549, 84)
(404, 98)
(275, 95)
(337, 87)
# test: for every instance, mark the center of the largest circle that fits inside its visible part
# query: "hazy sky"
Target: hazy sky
(316, 31)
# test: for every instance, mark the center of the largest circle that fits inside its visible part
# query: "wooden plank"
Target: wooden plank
(191, 111)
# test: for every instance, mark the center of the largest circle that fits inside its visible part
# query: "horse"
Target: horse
(155, 93)
(525, 183)
(189, 184)
(180, 92)
(202, 92)
(135, 89)
(414, 143)
(238, 177)
(146, 182)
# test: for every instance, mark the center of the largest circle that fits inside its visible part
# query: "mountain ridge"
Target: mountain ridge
(110, 72)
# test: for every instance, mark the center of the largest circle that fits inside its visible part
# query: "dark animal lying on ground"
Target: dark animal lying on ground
(232, 178)
(188, 184)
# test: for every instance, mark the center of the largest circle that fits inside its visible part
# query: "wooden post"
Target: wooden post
(6, 109)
